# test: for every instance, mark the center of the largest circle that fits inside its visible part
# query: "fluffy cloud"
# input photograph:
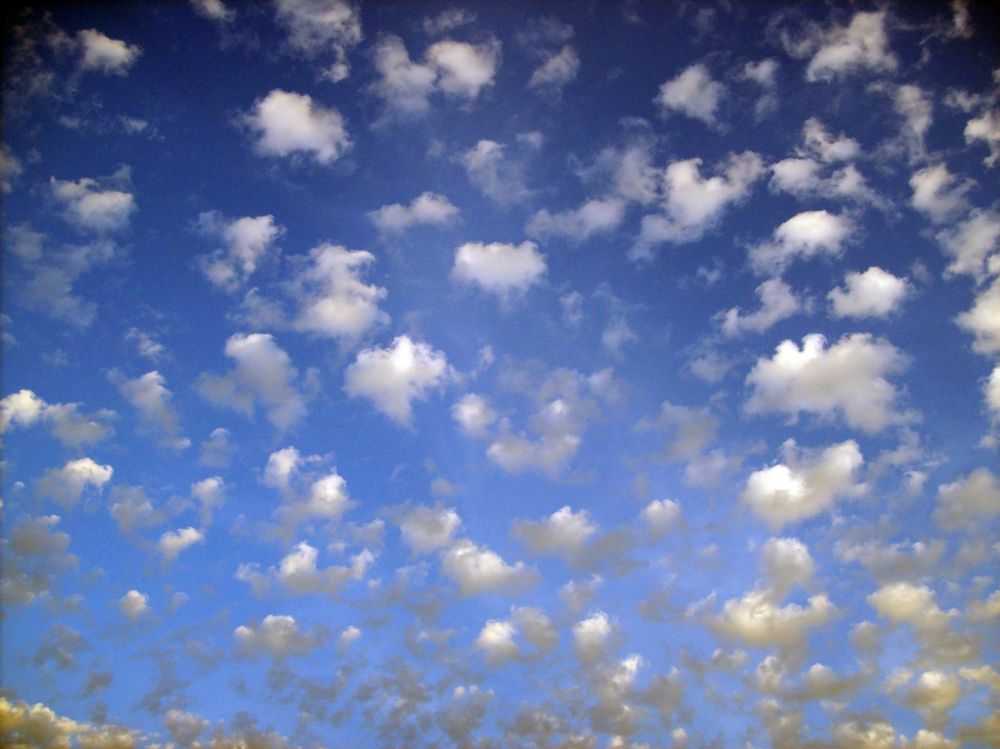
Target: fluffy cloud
(276, 636)
(263, 373)
(661, 516)
(992, 389)
(938, 193)
(476, 569)
(287, 123)
(172, 543)
(66, 423)
(692, 92)
(102, 54)
(99, 206)
(874, 293)
(558, 69)
(828, 148)
(838, 51)
(501, 269)
(248, 241)
(428, 208)
(211, 495)
(498, 176)
(968, 501)
(134, 605)
(213, 10)
(986, 127)
(777, 302)
(319, 27)
(149, 396)
(972, 243)
(847, 378)
(499, 639)
(593, 636)
(473, 414)
(392, 378)
(593, 217)
(564, 532)
(427, 529)
(804, 485)
(694, 204)
(66, 485)
(464, 69)
(983, 320)
(299, 574)
(757, 619)
(804, 235)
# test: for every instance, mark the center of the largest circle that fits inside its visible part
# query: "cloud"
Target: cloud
(211, 495)
(132, 509)
(427, 529)
(263, 373)
(473, 414)
(828, 148)
(428, 208)
(501, 269)
(299, 574)
(66, 485)
(692, 92)
(94, 205)
(992, 390)
(66, 423)
(477, 569)
(804, 235)
(102, 54)
(969, 501)
(134, 605)
(319, 27)
(938, 193)
(277, 636)
(777, 302)
(392, 378)
(757, 619)
(564, 533)
(499, 639)
(595, 216)
(286, 124)
(695, 204)
(498, 177)
(972, 243)
(805, 485)
(172, 543)
(846, 379)
(149, 396)
(213, 10)
(983, 320)
(593, 636)
(248, 241)
(464, 69)
(874, 293)
(661, 516)
(986, 127)
(10, 169)
(838, 51)
(558, 69)
(447, 20)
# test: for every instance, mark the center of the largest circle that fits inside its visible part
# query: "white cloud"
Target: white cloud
(917, 110)
(595, 216)
(804, 485)
(972, 243)
(983, 320)
(695, 204)
(802, 178)
(392, 378)
(72, 428)
(986, 127)
(496, 641)
(593, 636)
(172, 543)
(10, 169)
(334, 301)
(428, 208)
(211, 494)
(248, 241)
(848, 378)
(464, 69)
(501, 269)
(969, 501)
(276, 636)
(938, 193)
(185, 728)
(692, 92)
(134, 605)
(559, 69)
(426, 529)
(447, 20)
(477, 569)
(838, 51)
(757, 619)
(874, 293)
(497, 176)
(777, 302)
(149, 396)
(564, 532)
(804, 235)
(145, 344)
(287, 123)
(318, 26)
(103, 54)
(213, 10)
(474, 414)
(263, 373)
(828, 148)
(992, 389)
(66, 485)
(300, 575)
(661, 516)
(132, 509)
(499, 638)
(787, 563)
(90, 205)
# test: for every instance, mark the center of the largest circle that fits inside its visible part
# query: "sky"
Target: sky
(567, 375)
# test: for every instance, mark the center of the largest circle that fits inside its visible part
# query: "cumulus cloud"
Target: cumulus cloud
(213, 10)
(500, 640)
(477, 569)
(969, 501)
(287, 124)
(211, 495)
(427, 529)
(804, 485)
(473, 414)
(501, 269)
(100, 206)
(276, 636)
(938, 193)
(837, 51)
(558, 69)
(564, 533)
(986, 128)
(149, 396)
(464, 69)
(65, 421)
(983, 320)
(102, 54)
(299, 574)
(804, 235)
(263, 373)
(428, 209)
(598, 215)
(661, 516)
(972, 243)
(66, 485)
(322, 27)
(494, 173)
(874, 293)
(846, 379)
(248, 242)
(392, 378)
(134, 605)
(692, 92)
(777, 302)
(172, 543)
(593, 636)
(758, 619)
(694, 204)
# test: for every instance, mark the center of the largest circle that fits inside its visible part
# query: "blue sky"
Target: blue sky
(522, 375)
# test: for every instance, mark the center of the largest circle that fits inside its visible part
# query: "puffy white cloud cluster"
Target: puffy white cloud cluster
(694, 93)
(102, 54)
(777, 302)
(428, 208)
(840, 50)
(149, 396)
(477, 569)
(498, 268)
(172, 543)
(500, 639)
(873, 293)
(285, 123)
(427, 529)
(317, 28)
(65, 421)
(65, 486)
(276, 636)
(968, 501)
(300, 574)
(100, 206)
(595, 216)
(496, 174)
(805, 235)
(247, 243)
